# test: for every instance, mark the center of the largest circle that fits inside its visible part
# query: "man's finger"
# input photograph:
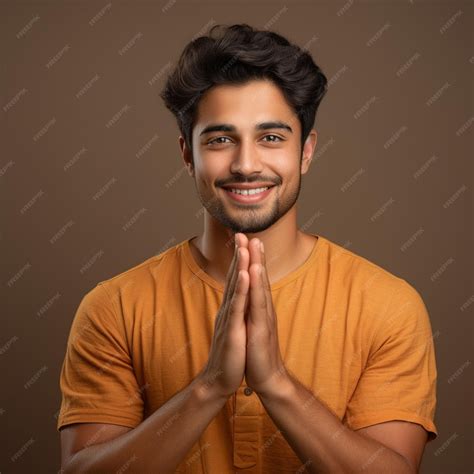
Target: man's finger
(239, 298)
(241, 263)
(265, 280)
(258, 300)
(230, 277)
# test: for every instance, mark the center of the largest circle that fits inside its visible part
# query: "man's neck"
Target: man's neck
(285, 251)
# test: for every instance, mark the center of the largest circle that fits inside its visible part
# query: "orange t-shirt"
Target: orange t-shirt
(354, 334)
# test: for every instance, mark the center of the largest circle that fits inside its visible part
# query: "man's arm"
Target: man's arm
(311, 428)
(160, 442)
(324, 444)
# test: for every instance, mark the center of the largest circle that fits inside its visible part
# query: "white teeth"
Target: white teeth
(247, 192)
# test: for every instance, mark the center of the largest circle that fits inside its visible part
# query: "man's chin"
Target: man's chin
(247, 228)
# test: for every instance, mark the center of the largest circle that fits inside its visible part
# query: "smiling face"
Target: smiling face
(247, 136)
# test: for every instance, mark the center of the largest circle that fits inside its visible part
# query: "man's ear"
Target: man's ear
(308, 150)
(187, 155)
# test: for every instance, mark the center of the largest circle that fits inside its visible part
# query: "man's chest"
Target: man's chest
(321, 344)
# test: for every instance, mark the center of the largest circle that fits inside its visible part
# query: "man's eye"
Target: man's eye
(217, 142)
(275, 136)
(214, 140)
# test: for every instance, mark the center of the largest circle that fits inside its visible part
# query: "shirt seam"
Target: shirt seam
(299, 272)
(363, 416)
(78, 416)
(122, 330)
(381, 325)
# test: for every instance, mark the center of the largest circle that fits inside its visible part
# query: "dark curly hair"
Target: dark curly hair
(236, 54)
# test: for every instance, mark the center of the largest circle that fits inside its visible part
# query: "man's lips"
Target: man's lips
(248, 185)
(250, 198)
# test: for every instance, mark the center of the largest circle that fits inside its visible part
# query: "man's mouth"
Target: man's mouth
(248, 194)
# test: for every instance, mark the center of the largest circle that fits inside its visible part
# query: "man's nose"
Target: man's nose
(246, 160)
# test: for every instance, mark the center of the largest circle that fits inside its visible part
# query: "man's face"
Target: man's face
(245, 155)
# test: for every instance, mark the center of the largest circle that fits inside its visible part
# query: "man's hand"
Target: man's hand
(224, 371)
(264, 367)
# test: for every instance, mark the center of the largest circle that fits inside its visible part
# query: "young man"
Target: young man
(221, 355)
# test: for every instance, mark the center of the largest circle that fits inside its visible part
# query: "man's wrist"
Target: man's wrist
(207, 390)
(282, 387)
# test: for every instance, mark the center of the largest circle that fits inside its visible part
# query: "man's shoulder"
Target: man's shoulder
(388, 299)
(145, 273)
(358, 271)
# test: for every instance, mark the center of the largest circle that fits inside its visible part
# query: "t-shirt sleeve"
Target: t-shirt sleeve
(399, 380)
(97, 380)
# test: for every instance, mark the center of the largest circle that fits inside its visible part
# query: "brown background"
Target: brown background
(92, 181)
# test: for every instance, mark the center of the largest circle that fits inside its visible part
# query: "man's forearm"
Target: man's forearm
(161, 441)
(320, 440)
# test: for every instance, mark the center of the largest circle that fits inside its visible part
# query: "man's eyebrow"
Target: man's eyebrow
(225, 127)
